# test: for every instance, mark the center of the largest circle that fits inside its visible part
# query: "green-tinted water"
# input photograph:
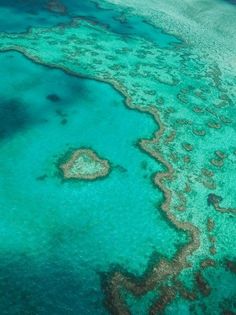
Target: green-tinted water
(71, 230)
(68, 246)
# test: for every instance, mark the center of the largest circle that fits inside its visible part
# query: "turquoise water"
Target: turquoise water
(59, 237)
(117, 244)
(17, 17)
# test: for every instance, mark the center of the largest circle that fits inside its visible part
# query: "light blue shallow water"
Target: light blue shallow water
(57, 237)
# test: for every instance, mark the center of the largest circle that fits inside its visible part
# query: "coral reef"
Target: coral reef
(85, 164)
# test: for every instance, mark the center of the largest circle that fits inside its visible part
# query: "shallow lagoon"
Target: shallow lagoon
(75, 230)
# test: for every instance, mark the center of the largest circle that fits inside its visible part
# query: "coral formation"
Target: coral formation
(85, 164)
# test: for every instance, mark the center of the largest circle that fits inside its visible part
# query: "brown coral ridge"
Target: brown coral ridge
(215, 201)
(167, 295)
(164, 268)
(231, 265)
(202, 284)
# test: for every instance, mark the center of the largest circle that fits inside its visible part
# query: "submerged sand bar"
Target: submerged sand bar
(85, 164)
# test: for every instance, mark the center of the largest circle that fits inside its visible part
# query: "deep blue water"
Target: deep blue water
(19, 16)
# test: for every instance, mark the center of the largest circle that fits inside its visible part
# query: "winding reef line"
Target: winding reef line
(217, 207)
(161, 270)
(167, 295)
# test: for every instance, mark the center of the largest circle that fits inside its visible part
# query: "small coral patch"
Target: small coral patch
(85, 164)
